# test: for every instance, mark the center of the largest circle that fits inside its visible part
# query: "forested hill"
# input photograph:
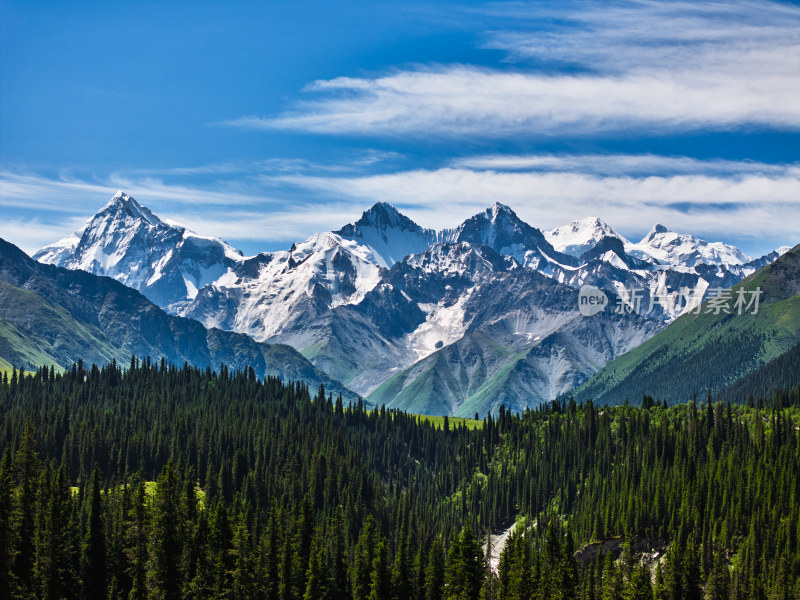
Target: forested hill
(714, 347)
(160, 482)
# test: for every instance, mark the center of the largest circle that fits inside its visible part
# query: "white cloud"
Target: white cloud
(641, 66)
(620, 164)
(725, 206)
(281, 227)
(726, 200)
(70, 195)
(246, 215)
(32, 234)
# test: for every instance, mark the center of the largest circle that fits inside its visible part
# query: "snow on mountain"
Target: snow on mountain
(581, 236)
(274, 290)
(389, 235)
(422, 319)
(659, 245)
(421, 304)
(126, 241)
(501, 229)
(678, 249)
(523, 341)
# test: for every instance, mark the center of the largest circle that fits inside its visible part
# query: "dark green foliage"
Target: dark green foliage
(164, 482)
(434, 572)
(464, 568)
(93, 549)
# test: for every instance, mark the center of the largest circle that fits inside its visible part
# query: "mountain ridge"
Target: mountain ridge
(122, 322)
(371, 299)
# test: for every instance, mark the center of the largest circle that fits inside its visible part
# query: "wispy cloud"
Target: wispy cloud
(250, 214)
(766, 205)
(67, 195)
(32, 234)
(622, 164)
(633, 66)
(280, 228)
(716, 199)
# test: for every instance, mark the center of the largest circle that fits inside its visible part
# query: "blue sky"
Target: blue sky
(263, 122)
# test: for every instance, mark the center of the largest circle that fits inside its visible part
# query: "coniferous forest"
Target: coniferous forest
(164, 482)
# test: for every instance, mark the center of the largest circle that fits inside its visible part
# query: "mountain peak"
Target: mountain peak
(594, 222)
(389, 234)
(383, 215)
(498, 208)
(579, 237)
(659, 228)
(125, 205)
(121, 199)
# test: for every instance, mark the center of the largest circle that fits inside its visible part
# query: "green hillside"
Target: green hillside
(35, 332)
(709, 351)
(54, 316)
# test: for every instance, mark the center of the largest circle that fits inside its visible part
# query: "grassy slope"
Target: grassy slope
(70, 315)
(5, 366)
(34, 332)
(707, 351)
(438, 422)
(427, 387)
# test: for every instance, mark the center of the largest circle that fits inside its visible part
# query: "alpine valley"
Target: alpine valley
(456, 322)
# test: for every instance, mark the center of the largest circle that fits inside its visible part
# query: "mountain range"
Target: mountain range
(455, 321)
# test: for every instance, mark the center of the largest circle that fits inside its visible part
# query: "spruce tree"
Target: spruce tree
(434, 571)
(380, 578)
(163, 575)
(93, 549)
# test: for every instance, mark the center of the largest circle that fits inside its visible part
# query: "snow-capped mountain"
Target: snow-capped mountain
(267, 293)
(581, 236)
(126, 241)
(389, 235)
(426, 320)
(659, 246)
(670, 248)
(501, 229)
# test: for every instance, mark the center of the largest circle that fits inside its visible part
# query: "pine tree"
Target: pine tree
(26, 467)
(221, 546)
(464, 568)
(93, 549)
(401, 577)
(337, 560)
(692, 578)
(364, 556)
(163, 576)
(53, 569)
(719, 584)
(434, 571)
(612, 580)
(568, 568)
(380, 579)
(315, 576)
(7, 510)
(639, 586)
(136, 541)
